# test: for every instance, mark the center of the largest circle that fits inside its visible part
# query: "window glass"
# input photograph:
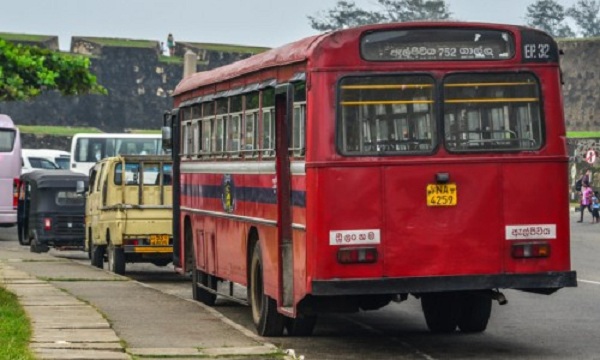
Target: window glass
(62, 162)
(7, 140)
(69, 198)
(150, 173)
(206, 134)
(251, 128)
(268, 131)
(484, 112)
(233, 132)
(386, 115)
(299, 121)
(218, 135)
(235, 104)
(41, 163)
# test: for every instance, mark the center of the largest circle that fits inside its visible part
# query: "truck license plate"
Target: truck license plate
(160, 240)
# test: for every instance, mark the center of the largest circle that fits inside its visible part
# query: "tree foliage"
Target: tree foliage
(585, 13)
(27, 71)
(413, 10)
(346, 14)
(549, 16)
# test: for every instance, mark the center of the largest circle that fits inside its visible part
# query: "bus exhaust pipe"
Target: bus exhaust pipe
(499, 297)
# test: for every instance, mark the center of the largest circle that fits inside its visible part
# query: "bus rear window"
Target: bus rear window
(484, 112)
(386, 115)
(7, 140)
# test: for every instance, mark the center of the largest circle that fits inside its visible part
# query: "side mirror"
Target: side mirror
(80, 187)
(167, 138)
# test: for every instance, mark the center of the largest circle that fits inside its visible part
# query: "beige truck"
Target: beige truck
(129, 211)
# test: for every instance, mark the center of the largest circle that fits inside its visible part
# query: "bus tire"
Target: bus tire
(301, 325)
(441, 311)
(475, 311)
(116, 259)
(267, 320)
(202, 278)
(97, 256)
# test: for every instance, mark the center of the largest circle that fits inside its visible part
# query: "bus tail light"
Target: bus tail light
(47, 224)
(16, 184)
(357, 255)
(539, 250)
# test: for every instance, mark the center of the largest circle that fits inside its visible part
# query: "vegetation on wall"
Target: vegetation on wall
(25, 72)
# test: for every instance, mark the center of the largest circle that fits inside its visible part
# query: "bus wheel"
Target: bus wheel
(199, 277)
(301, 326)
(475, 312)
(441, 311)
(97, 255)
(267, 320)
(116, 259)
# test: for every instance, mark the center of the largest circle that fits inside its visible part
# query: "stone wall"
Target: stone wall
(581, 73)
(139, 81)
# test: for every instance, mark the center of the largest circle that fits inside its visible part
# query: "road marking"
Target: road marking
(589, 281)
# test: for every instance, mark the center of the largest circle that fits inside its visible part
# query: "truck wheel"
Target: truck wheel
(97, 255)
(116, 259)
(475, 311)
(441, 311)
(267, 320)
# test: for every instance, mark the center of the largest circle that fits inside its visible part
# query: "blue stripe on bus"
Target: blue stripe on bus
(248, 194)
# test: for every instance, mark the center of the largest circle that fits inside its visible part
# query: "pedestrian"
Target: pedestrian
(596, 208)
(171, 44)
(586, 200)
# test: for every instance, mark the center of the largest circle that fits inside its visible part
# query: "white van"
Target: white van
(44, 159)
(87, 149)
(10, 165)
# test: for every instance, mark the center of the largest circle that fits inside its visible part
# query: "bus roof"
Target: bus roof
(304, 49)
(6, 122)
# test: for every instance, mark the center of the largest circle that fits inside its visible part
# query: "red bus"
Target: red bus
(353, 168)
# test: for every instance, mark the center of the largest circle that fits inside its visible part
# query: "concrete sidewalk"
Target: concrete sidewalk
(80, 312)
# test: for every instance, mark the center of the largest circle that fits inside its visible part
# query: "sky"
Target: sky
(268, 23)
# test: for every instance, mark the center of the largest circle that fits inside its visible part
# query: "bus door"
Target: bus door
(284, 101)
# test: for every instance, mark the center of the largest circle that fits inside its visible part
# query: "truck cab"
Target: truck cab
(129, 211)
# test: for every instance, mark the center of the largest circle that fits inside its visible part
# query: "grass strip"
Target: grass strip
(56, 130)
(15, 330)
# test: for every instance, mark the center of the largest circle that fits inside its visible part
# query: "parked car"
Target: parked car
(51, 210)
(129, 211)
(10, 170)
(33, 159)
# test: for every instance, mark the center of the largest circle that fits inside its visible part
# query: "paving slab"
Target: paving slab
(70, 306)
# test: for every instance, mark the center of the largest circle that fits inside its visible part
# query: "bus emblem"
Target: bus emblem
(228, 198)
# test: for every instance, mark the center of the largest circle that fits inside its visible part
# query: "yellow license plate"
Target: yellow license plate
(160, 240)
(442, 194)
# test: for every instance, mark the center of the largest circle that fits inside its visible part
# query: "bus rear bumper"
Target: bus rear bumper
(543, 283)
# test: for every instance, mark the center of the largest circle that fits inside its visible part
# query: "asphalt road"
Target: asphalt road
(565, 325)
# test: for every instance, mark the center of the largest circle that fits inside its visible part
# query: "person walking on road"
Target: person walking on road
(586, 199)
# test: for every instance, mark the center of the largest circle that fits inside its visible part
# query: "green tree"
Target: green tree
(549, 16)
(27, 71)
(346, 14)
(585, 13)
(414, 10)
